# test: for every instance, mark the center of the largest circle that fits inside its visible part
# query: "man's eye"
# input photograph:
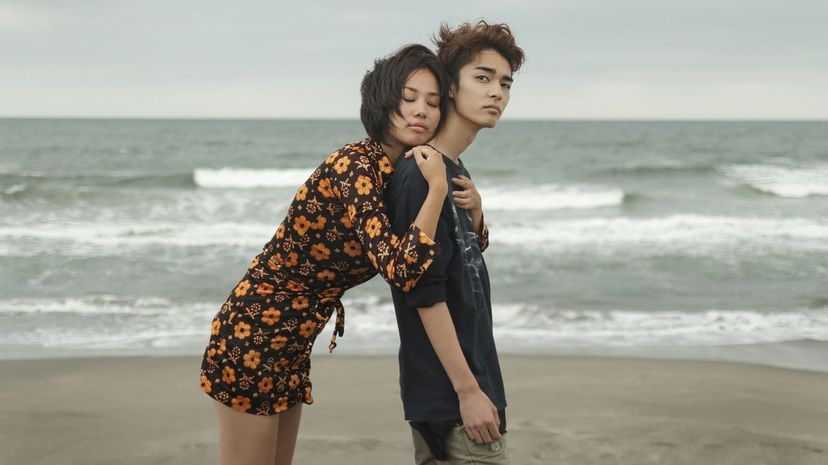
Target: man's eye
(483, 78)
(506, 86)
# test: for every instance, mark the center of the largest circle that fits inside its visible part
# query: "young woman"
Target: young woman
(335, 236)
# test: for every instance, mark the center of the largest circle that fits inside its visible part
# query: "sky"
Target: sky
(586, 59)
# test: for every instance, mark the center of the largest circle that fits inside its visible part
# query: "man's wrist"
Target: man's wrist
(466, 388)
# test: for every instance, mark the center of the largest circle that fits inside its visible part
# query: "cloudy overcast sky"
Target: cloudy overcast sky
(640, 59)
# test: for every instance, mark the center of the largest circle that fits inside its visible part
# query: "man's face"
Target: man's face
(482, 90)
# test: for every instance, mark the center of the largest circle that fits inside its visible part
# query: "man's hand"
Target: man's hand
(479, 416)
(468, 198)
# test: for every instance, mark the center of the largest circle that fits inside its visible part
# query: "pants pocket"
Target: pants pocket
(493, 453)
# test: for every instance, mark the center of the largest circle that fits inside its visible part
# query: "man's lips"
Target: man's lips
(418, 128)
(493, 109)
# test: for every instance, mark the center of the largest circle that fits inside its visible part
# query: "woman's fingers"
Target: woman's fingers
(413, 152)
(423, 150)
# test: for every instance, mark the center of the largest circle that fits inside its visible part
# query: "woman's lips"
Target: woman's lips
(418, 128)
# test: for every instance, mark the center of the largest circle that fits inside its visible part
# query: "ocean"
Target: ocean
(663, 239)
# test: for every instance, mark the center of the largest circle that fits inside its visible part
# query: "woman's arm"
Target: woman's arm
(434, 172)
(401, 260)
(466, 197)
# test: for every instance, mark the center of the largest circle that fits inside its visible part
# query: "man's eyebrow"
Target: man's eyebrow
(493, 71)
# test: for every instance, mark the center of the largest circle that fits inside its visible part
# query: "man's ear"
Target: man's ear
(452, 90)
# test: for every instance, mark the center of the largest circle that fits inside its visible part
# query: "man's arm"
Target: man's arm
(468, 198)
(477, 411)
(407, 192)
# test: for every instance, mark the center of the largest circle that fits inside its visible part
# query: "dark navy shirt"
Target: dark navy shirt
(459, 277)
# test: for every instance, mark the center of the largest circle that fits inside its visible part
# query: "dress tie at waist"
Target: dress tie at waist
(339, 327)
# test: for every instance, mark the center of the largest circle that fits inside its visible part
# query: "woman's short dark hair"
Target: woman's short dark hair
(382, 87)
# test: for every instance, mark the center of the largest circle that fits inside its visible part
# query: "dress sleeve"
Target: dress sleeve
(483, 238)
(432, 287)
(400, 260)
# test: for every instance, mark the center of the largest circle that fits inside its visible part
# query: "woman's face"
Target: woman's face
(420, 110)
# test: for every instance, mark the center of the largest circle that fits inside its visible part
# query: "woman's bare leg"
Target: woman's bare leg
(246, 439)
(288, 431)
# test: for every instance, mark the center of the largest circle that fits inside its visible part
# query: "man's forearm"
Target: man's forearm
(441, 333)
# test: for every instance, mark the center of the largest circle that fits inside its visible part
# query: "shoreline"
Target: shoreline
(562, 409)
(806, 355)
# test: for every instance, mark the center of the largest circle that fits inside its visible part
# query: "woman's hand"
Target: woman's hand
(430, 163)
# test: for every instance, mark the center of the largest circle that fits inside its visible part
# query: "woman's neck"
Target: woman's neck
(392, 151)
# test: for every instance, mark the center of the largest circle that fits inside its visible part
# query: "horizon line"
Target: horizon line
(334, 118)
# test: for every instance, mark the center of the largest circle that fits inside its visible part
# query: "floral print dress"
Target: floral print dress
(334, 237)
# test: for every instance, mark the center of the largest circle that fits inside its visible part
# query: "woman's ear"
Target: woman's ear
(452, 91)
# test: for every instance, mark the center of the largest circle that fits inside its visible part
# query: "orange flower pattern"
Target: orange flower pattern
(335, 236)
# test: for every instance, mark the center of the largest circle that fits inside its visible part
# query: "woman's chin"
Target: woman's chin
(418, 140)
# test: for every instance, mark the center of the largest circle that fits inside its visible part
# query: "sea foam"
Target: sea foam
(235, 178)
(781, 181)
(150, 324)
(549, 197)
(684, 234)
(687, 233)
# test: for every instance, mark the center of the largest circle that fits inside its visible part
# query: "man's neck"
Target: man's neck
(456, 135)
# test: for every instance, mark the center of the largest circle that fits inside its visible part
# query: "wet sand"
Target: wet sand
(562, 410)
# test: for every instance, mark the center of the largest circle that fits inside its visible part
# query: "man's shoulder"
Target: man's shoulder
(406, 167)
(407, 175)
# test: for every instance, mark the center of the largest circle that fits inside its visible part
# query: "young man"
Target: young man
(451, 385)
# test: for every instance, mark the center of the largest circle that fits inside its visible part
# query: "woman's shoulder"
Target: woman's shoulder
(360, 148)
(362, 157)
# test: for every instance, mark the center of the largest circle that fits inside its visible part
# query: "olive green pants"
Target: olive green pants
(460, 450)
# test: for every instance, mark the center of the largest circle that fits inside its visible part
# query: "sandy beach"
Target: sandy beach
(562, 410)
